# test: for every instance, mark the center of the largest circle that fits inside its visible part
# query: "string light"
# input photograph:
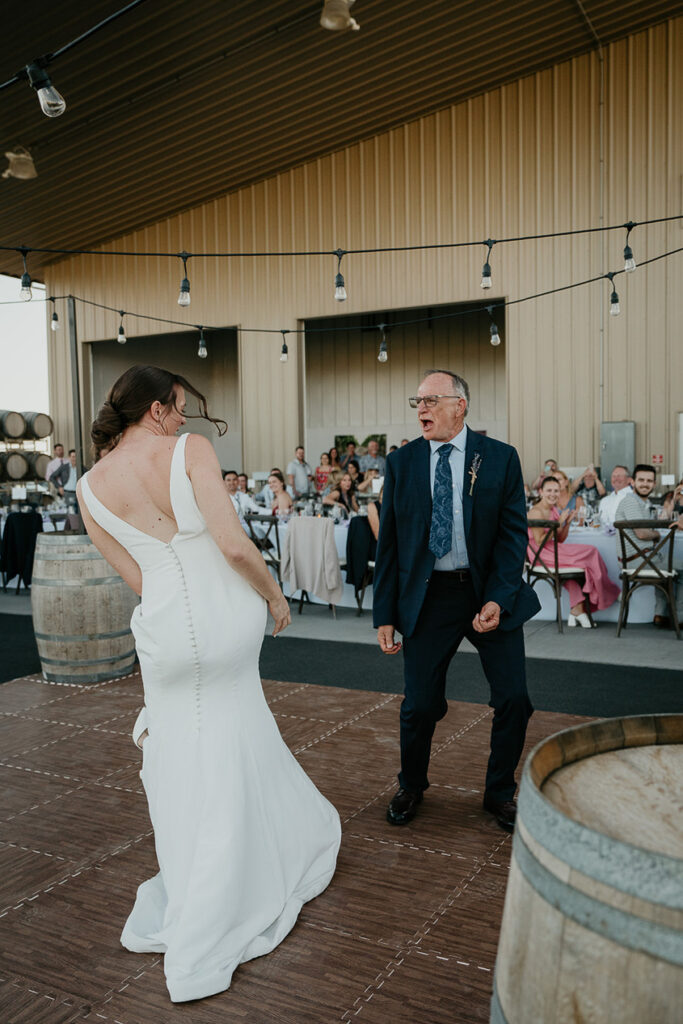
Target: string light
(52, 103)
(339, 289)
(614, 307)
(25, 292)
(383, 354)
(629, 262)
(184, 295)
(336, 16)
(284, 352)
(202, 351)
(486, 269)
(54, 322)
(495, 336)
(121, 338)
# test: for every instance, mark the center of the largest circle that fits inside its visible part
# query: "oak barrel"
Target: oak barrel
(13, 465)
(38, 424)
(12, 425)
(592, 928)
(37, 464)
(81, 612)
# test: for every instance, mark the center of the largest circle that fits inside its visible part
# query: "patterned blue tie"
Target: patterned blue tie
(441, 533)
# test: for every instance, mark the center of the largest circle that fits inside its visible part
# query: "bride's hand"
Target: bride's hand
(279, 609)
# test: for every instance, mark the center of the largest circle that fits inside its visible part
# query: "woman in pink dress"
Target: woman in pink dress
(598, 589)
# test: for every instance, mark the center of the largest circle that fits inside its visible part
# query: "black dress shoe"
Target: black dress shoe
(662, 622)
(403, 806)
(504, 811)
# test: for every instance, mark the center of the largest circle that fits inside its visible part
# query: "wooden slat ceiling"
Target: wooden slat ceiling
(181, 101)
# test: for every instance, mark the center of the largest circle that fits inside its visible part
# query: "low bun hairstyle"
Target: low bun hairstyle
(132, 395)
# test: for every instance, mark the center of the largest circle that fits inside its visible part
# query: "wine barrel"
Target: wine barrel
(593, 921)
(13, 465)
(12, 425)
(81, 612)
(38, 424)
(37, 464)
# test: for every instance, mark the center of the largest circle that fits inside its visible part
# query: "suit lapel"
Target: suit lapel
(472, 448)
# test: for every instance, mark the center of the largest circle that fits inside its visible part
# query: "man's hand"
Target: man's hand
(385, 638)
(486, 620)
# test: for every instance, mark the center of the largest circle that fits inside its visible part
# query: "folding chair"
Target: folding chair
(646, 573)
(266, 539)
(555, 575)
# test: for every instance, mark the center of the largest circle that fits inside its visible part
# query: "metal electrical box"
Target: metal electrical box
(617, 447)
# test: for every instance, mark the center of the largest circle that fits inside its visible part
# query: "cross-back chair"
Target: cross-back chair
(639, 566)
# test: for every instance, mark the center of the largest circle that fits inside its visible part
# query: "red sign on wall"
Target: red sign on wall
(657, 460)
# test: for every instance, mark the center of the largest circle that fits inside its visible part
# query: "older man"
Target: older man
(449, 563)
(373, 459)
(621, 486)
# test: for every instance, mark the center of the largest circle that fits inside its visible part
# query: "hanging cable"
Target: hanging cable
(54, 320)
(339, 289)
(202, 351)
(495, 336)
(25, 292)
(121, 338)
(629, 262)
(486, 269)
(284, 351)
(184, 295)
(383, 355)
(614, 307)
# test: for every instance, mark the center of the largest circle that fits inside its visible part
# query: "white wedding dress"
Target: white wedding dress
(243, 837)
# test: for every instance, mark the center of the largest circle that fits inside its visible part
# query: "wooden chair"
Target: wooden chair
(555, 575)
(266, 539)
(646, 573)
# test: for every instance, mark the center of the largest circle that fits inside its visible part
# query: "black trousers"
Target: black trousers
(445, 618)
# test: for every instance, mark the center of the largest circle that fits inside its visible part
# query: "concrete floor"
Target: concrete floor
(638, 645)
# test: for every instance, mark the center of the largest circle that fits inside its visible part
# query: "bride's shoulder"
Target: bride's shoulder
(199, 450)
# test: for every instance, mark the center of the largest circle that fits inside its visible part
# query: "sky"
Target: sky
(23, 349)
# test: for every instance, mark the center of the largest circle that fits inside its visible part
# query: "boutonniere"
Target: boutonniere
(473, 470)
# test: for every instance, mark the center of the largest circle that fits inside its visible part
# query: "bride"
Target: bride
(243, 838)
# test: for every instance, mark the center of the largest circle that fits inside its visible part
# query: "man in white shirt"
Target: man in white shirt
(621, 486)
(241, 502)
(299, 474)
(55, 463)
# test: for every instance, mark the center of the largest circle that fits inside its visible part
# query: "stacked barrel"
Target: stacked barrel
(17, 462)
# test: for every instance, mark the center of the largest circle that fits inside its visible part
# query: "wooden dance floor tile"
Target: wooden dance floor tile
(406, 932)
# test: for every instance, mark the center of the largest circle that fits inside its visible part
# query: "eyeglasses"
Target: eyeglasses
(430, 400)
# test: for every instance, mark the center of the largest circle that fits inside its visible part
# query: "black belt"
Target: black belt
(461, 575)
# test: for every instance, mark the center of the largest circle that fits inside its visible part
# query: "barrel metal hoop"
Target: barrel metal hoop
(81, 664)
(618, 926)
(100, 677)
(83, 638)
(631, 869)
(97, 581)
(497, 1015)
(44, 556)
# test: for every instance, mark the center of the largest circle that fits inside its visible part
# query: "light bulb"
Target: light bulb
(339, 289)
(52, 103)
(25, 293)
(202, 351)
(284, 356)
(54, 322)
(184, 295)
(495, 336)
(383, 356)
(629, 262)
(121, 336)
(614, 307)
(486, 276)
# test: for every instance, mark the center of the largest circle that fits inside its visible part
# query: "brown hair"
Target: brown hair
(131, 396)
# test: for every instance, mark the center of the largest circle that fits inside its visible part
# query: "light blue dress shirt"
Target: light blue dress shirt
(456, 558)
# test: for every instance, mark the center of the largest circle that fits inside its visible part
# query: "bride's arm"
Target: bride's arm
(110, 549)
(225, 528)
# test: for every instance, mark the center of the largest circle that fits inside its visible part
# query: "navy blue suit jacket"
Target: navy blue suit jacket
(495, 532)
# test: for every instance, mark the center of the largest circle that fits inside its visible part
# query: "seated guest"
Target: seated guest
(548, 470)
(570, 501)
(343, 496)
(373, 459)
(354, 472)
(598, 590)
(588, 486)
(241, 502)
(365, 485)
(636, 506)
(350, 454)
(621, 486)
(243, 483)
(393, 448)
(322, 472)
(673, 500)
(266, 495)
(282, 503)
(374, 510)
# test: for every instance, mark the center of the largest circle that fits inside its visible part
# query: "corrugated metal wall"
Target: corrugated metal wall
(522, 159)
